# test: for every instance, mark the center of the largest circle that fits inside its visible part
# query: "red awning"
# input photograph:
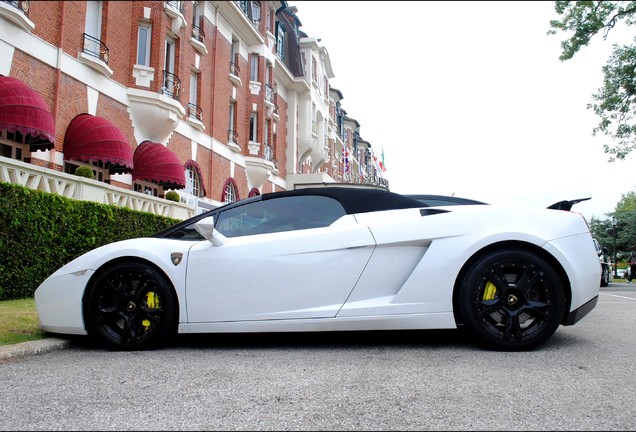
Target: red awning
(155, 163)
(95, 139)
(24, 110)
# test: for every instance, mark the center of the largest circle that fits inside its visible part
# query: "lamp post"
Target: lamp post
(614, 222)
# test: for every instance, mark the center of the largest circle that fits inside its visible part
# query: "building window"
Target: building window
(229, 191)
(280, 41)
(253, 127)
(143, 44)
(147, 188)
(193, 182)
(270, 20)
(194, 91)
(170, 54)
(232, 123)
(256, 12)
(266, 132)
(196, 13)
(254, 67)
(13, 145)
(93, 25)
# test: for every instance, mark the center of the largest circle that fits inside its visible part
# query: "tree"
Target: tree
(625, 214)
(615, 102)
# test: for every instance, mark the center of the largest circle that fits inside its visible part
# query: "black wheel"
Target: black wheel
(130, 306)
(511, 300)
(605, 277)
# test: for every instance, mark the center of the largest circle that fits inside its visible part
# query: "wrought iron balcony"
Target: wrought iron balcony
(235, 69)
(176, 5)
(269, 93)
(95, 47)
(242, 4)
(171, 85)
(197, 33)
(22, 6)
(268, 152)
(232, 136)
(195, 112)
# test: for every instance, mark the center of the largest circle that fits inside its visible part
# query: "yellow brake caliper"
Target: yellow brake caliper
(152, 301)
(490, 291)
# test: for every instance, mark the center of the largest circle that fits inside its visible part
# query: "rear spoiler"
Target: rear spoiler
(567, 205)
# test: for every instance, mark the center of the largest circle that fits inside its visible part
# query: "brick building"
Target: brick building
(218, 100)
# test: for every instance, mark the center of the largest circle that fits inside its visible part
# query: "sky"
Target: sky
(470, 99)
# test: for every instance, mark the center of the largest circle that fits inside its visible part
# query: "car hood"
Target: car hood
(157, 250)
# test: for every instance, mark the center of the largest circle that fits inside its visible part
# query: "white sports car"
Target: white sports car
(334, 258)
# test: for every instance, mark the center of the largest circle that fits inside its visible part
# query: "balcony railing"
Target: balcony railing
(22, 6)
(195, 112)
(268, 152)
(197, 33)
(85, 189)
(235, 69)
(171, 85)
(269, 93)
(242, 4)
(176, 5)
(232, 136)
(95, 47)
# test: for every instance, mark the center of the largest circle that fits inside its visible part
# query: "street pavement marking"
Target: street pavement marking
(618, 296)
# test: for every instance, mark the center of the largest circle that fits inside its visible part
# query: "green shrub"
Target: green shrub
(173, 196)
(85, 171)
(40, 232)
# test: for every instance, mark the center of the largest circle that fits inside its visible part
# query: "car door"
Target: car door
(284, 258)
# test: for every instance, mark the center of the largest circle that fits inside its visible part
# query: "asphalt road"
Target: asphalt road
(581, 379)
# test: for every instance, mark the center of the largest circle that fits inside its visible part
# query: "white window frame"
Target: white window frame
(254, 58)
(253, 127)
(143, 43)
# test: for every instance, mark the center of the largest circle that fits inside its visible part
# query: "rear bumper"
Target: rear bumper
(578, 313)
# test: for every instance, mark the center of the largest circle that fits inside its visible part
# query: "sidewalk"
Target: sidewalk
(24, 349)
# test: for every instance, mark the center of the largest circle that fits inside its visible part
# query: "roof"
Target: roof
(355, 200)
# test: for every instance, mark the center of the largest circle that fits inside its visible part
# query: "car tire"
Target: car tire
(605, 276)
(511, 300)
(130, 305)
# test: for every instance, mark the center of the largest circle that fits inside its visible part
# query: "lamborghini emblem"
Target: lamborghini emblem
(176, 258)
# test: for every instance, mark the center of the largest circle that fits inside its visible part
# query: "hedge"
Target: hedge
(40, 232)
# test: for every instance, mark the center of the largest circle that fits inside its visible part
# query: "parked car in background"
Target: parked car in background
(621, 273)
(607, 275)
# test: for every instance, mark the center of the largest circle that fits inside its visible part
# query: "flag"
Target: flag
(376, 164)
(382, 162)
(345, 158)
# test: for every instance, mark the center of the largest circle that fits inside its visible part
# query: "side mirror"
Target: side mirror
(205, 227)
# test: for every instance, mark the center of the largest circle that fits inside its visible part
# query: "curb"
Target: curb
(24, 349)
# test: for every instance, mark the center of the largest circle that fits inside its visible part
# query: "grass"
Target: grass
(19, 322)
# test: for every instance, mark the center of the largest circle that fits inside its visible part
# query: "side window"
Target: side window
(279, 214)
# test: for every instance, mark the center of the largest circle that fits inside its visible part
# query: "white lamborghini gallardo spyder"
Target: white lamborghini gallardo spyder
(334, 259)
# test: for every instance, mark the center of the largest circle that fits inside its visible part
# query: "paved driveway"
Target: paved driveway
(582, 379)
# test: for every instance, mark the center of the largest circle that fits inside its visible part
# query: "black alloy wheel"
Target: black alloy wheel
(130, 306)
(511, 300)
